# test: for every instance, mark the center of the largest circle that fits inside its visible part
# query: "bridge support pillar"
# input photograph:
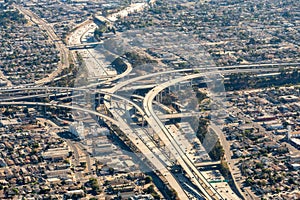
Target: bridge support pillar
(161, 95)
(143, 122)
(178, 86)
(125, 105)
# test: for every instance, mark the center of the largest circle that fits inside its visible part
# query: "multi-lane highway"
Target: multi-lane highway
(64, 53)
(161, 153)
(188, 166)
(148, 152)
(23, 103)
(152, 153)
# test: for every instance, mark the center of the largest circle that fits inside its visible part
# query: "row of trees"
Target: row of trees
(137, 60)
(103, 28)
(217, 152)
(247, 80)
(151, 190)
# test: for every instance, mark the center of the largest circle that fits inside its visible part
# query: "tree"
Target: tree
(111, 171)
(251, 41)
(67, 161)
(217, 152)
(291, 181)
(35, 145)
(202, 129)
(25, 110)
(249, 181)
(148, 179)
(94, 185)
(239, 60)
(149, 189)
(16, 191)
(172, 193)
(83, 164)
(167, 100)
(98, 33)
(224, 169)
(201, 96)
(7, 112)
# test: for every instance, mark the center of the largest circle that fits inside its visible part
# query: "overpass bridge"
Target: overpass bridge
(138, 87)
(182, 115)
(208, 164)
(157, 126)
(84, 45)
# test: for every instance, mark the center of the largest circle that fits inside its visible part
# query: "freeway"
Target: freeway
(208, 163)
(257, 67)
(157, 164)
(122, 98)
(168, 139)
(138, 87)
(64, 53)
(146, 151)
(150, 153)
(143, 134)
(134, 7)
(226, 147)
(79, 38)
(164, 107)
(18, 98)
(110, 80)
(83, 45)
(23, 103)
(48, 89)
(122, 84)
(185, 162)
(182, 115)
(149, 118)
(233, 69)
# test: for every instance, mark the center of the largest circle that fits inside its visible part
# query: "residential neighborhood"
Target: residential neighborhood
(149, 99)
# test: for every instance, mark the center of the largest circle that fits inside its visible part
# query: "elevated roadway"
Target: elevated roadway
(208, 164)
(24, 103)
(84, 45)
(142, 147)
(182, 115)
(259, 68)
(86, 88)
(157, 164)
(150, 117)
(196, 177)
(186, 163)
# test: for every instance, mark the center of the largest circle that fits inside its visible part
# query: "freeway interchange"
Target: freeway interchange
(160, 159)
(161, 153)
